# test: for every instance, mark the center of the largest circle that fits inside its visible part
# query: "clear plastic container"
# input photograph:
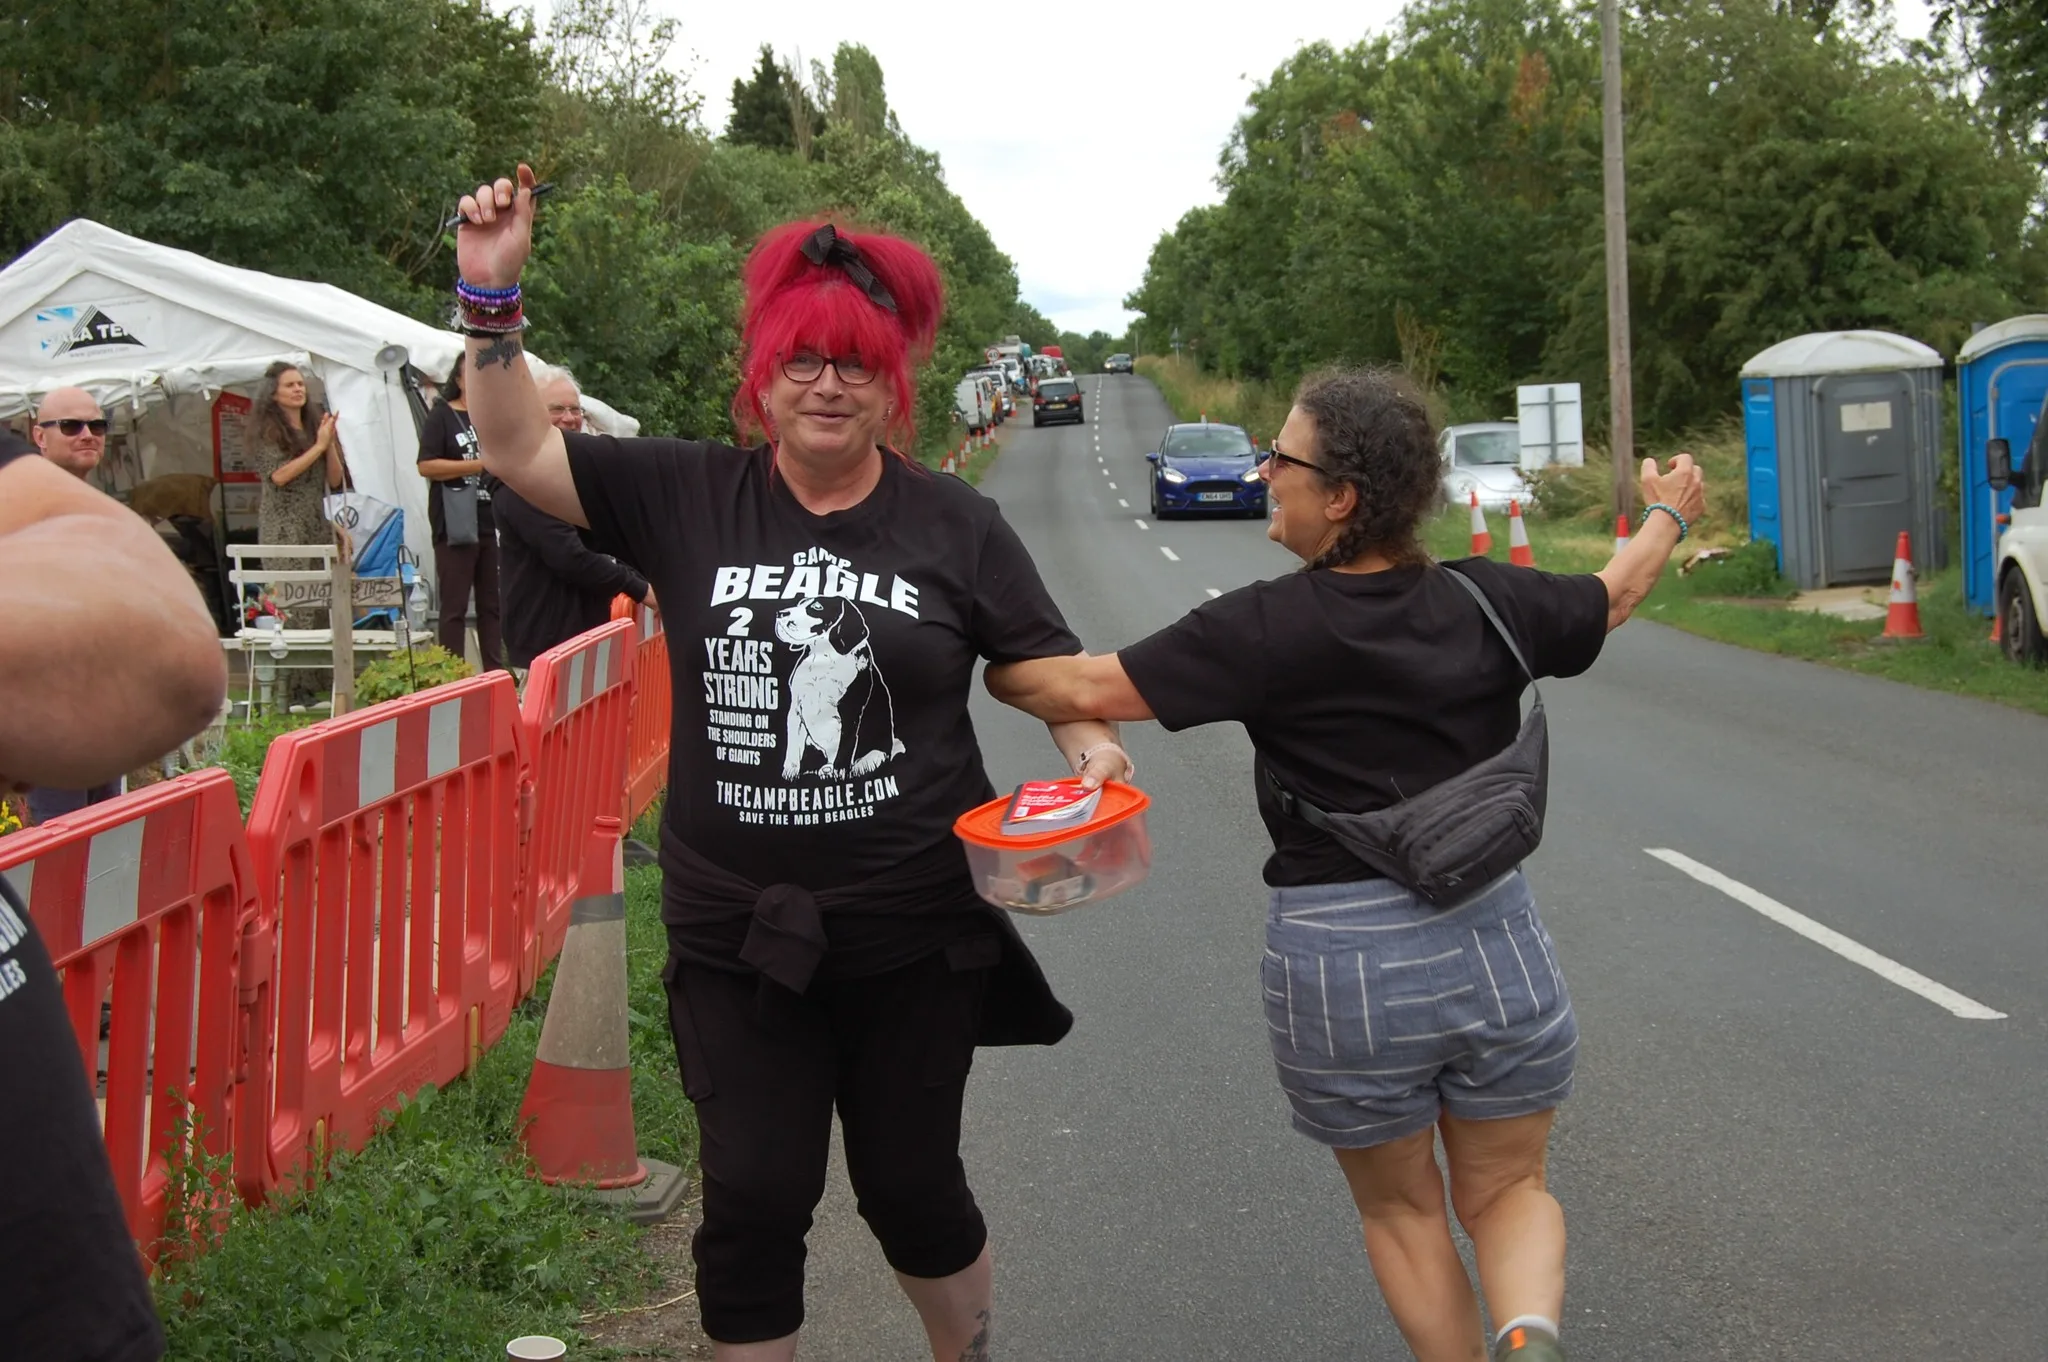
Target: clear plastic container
(1049, 871)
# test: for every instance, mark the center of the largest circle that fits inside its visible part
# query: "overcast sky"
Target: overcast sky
(1077, 135)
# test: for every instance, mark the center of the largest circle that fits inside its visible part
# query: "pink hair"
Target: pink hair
(794, 305)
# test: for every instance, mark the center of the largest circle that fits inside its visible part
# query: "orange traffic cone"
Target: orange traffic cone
(1997, 626)
(1482, 538)
(577, 1120)
(1519, 552)
(1620, 533)
(1902, 613)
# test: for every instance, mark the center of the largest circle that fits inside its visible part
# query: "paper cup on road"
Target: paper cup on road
(536, 1348)
(1053, 846)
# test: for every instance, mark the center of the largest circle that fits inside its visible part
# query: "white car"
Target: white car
(2021, 572)
(1486, 457)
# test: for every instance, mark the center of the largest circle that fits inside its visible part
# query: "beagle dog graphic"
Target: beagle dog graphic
(839, 705)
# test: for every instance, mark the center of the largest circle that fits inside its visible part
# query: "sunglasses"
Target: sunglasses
(73, 426)
(804, 367)
(1273, 456)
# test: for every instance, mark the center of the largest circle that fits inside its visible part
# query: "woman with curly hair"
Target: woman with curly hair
(296, 445)
(827, 949)
(1371, 676)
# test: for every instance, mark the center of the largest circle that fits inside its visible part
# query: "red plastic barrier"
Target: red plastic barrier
(647, 762)
(150, 902)
(578, 716)
(389, 841)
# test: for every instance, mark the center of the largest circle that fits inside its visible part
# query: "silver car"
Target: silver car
(1486, 457)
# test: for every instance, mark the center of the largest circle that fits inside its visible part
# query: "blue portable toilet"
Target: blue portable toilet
(1843, 435)
(2001, 381)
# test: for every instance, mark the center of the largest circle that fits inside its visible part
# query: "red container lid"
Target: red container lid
(983, 826)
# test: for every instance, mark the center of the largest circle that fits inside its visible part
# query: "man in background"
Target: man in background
(107, 658)
(555, 585)
(71, 432)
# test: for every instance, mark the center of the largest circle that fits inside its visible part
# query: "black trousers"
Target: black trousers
(765, 1068)
(461, 569)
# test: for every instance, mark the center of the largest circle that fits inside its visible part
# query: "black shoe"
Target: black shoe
(1528, 1345)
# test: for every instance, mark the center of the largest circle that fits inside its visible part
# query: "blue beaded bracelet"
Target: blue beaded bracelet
(1683, 528)
(465, 289)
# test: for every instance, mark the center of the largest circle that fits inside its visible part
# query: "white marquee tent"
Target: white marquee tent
(172, 344)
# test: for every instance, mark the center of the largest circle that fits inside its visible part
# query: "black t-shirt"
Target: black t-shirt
(1364, 689)
(71, 1284)
(12, 447)
(820, 664)
(448, 434)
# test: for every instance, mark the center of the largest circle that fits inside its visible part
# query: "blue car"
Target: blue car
(1206, 469)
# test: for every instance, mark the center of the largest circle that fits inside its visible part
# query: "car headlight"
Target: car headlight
(1251, 475)
(1173, 475)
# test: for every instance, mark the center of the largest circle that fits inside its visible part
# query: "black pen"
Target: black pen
(539, 191)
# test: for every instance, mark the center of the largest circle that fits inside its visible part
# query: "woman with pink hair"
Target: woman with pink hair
(826, 946)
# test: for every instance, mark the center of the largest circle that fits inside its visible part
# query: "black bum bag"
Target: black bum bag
(1456, 837)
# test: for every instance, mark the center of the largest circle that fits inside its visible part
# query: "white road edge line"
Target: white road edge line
(1171, 556)
(1142, 525)
(1213, 592)
(1884, 967)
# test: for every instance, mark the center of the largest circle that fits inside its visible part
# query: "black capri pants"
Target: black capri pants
(765, 1067)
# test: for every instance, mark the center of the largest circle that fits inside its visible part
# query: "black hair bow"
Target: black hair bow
(826, 247)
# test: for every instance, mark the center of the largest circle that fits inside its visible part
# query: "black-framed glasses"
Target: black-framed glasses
(74, 426)
(805, 365)
(1269, 457)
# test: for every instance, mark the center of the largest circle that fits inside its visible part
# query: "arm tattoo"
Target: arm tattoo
(977, 1348)
(503, 351)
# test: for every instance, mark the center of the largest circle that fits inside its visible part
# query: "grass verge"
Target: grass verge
(432, 1243)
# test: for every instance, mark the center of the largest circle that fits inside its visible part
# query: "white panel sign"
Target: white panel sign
(1858, 417)
(1551, 417)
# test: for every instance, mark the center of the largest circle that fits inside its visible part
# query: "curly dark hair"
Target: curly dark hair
(1373, 431)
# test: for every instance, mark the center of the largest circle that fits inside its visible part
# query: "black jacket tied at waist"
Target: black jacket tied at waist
(779, 930)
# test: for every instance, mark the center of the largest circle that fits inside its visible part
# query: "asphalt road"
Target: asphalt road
(1774, 1152)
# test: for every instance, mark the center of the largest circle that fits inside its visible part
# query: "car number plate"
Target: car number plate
(1219, 496)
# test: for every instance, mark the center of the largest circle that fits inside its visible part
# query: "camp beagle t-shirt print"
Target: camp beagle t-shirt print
(801, 744)
(820, 665)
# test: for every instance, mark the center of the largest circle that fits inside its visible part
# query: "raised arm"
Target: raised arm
(108, 658)
(1632, 574)
(513, 433)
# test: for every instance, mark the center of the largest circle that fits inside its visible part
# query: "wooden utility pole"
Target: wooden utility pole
(341, 619)
(1620, 388)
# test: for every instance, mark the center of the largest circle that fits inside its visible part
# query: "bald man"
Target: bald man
(71, 431)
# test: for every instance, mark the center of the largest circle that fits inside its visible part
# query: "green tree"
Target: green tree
(760, 108)
(326, 143)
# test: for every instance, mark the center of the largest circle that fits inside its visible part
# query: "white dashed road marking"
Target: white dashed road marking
(1142, 525)
(1213, 592)
(1125, 504)
(1171, 556)
(1884, 967)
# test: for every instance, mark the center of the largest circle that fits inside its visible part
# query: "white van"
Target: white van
(2021, 571)
(971, 402)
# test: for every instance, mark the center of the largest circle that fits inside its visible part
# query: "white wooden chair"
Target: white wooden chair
(264, 650)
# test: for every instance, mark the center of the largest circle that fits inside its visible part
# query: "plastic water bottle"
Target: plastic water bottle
(415, 597)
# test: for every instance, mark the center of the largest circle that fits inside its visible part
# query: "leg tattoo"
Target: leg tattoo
(977, 1348)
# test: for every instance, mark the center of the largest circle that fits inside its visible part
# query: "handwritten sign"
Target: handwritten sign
(368, 593)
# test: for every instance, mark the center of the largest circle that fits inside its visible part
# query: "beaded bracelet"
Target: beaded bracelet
(491, 324)
(1684, 529)
(477, 293)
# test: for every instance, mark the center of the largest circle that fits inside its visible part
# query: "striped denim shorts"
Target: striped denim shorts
(1384, 1011)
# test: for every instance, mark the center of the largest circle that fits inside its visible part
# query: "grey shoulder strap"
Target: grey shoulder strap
(1493, 618)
